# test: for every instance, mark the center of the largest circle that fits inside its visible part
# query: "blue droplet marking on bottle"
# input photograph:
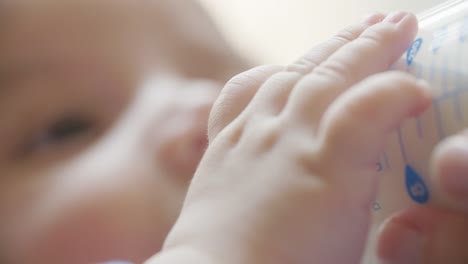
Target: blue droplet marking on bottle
(376, 206)
(379, 166)
(416, 186)
(413, 51)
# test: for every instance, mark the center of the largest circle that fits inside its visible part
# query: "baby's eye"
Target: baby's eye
(65, 129)
(59, 132)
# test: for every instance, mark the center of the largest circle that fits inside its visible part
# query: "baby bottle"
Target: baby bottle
(439, 55)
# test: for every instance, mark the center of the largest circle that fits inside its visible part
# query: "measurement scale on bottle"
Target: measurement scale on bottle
(441, 58)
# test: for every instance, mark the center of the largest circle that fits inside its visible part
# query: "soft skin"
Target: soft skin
(285, 140)
(103, 124)
(299, 143)
(111, 101)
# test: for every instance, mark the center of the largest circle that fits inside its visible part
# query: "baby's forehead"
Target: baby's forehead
(71, 13)
(173, 32)
(30, 28)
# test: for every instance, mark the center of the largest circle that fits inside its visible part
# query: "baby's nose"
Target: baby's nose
(181, 135)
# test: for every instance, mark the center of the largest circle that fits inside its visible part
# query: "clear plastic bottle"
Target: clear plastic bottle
(439, 55)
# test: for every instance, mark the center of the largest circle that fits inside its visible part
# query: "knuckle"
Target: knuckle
(397, 81)
(380, 91)
(219, 115)
(244, 85)
(396, 78)
(387, 38)
(396, 74)
(263, 133)
(252, 78)
(378, 35)
(215, 122)
(334, 70)
(303, 65)
(229, 133)
(283, 78)
(308, 62)
(236, 94)
(372, 38)
(349, 34)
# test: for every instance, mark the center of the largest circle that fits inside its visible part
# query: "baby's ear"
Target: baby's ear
(235, 97)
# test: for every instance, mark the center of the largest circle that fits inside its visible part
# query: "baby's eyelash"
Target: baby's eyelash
(66, 128)
(59, 132)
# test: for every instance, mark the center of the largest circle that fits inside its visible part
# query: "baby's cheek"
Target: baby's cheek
(88, 218)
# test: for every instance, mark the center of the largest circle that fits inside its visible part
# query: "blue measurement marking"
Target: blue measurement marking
(402, 146)
(438, 117)
(439, 38)
(415, 186)
(410, 55)
(458, 84)
(444, 75)
(454, 94)
(413, 51)
(419, 129)
(437, 114)
(457, 93)
(445, 92)
(387, 164)
(376, 206)
(458, 111)
(379, 166)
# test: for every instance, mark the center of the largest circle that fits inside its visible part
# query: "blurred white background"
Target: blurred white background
(277, 31)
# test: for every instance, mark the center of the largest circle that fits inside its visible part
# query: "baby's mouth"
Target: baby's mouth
(200, 145)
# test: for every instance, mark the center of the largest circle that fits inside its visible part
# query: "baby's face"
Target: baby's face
(100, 131)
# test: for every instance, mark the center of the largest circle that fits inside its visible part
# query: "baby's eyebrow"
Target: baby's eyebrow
(18, 71)
(8, 75)
(5, 78)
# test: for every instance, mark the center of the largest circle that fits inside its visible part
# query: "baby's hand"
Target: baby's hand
(289, 175)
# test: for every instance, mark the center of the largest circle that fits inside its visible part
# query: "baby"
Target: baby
(104, 114)
(105, 106)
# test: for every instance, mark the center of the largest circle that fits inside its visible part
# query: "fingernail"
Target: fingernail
(395, 17)
(404, 244)
(372, 18)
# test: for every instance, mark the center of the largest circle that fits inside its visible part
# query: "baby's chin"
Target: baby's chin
(119, 221)
(93, 244)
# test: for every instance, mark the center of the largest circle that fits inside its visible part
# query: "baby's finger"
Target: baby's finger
(274, 93)
(356, 127)
(321, 52)
(239, 91)
(450, 172)
(236, 95)
(377, 48)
